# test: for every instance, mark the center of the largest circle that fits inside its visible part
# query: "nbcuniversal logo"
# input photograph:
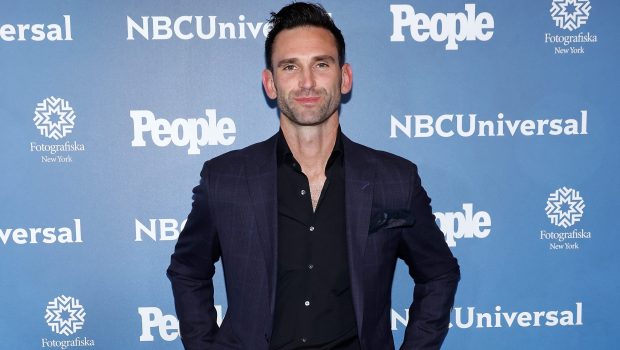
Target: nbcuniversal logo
(193, 27)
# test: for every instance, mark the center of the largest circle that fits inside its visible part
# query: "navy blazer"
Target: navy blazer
(234, 218)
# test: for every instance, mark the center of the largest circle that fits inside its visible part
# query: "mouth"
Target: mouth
(307, 100)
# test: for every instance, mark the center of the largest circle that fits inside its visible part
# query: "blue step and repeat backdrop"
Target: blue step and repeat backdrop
(109, 109)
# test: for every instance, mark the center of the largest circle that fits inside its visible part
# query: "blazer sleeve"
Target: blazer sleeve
(191, 271)
(434, 270)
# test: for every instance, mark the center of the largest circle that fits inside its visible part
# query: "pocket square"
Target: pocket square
(390, 219)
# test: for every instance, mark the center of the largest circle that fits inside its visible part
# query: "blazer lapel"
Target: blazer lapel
(359, 179)
(261, 170)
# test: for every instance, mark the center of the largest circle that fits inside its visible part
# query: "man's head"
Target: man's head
(301, 14)
(307, 75)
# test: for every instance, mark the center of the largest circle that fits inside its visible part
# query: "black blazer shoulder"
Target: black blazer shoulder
(385, 164)
(257, 153)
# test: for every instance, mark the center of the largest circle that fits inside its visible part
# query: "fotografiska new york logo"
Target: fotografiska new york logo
(65, 315)
(54, 118)
(565, 207)
(570, 14)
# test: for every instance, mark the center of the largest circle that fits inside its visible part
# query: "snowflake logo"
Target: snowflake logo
(565, 207)
(54, 118)
(570, 14)
(65, 315)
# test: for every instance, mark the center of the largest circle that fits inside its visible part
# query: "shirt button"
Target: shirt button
(310, 266)
(311, 228)
(303, 340)
(303, 192)
(307, 303)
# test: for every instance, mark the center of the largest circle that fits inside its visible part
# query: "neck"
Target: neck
(311, 145)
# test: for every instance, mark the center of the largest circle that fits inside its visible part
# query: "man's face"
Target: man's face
(307, 79)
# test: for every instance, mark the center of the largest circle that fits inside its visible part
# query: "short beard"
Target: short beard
(322, 115)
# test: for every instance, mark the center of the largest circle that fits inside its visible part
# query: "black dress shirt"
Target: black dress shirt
(314, 307)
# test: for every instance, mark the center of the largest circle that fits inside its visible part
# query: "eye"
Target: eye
(289, 67)
(322, 65)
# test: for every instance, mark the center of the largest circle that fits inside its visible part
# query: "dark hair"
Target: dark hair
(300, 14)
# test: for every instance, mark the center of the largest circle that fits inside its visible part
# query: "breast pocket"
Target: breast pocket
(381, 220)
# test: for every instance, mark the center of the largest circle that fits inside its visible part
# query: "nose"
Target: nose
(307, 79)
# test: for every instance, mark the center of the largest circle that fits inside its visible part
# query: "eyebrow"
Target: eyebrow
(324, 58)
(286, 61)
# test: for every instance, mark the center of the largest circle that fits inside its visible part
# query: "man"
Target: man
(308, 224)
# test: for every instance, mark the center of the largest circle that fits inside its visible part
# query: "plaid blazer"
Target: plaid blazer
(234, 218)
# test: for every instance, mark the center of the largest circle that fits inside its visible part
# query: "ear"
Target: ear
(347, 79)
(269, 85)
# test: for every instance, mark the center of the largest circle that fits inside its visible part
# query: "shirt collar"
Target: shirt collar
(285, 156)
